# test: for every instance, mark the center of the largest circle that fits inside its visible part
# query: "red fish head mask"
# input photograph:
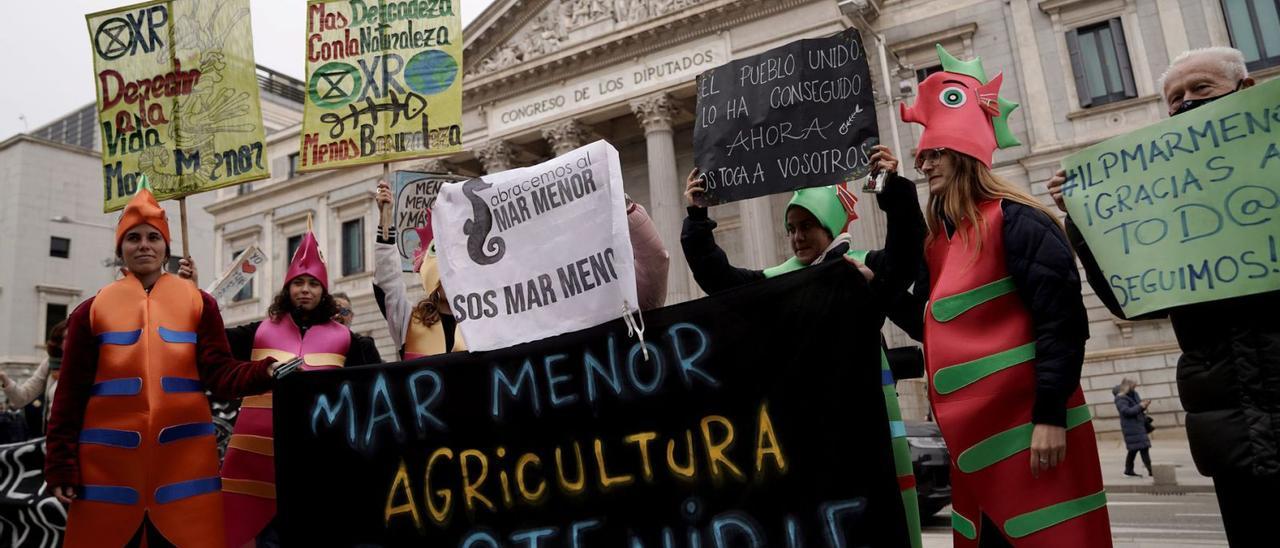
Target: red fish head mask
(961, 110)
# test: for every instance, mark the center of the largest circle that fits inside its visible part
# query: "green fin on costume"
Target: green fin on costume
(144, 183)
(1004, 136)
(968, 68)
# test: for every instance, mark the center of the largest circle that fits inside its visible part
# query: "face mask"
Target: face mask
(1192, 104)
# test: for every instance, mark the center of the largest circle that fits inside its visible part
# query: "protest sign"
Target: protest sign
(756, 419)
(414, 193)
(384, 82)
(30, 516)
(1186, 210)
(177, 98)
(238, 275)
(536, 251)
(796, 116)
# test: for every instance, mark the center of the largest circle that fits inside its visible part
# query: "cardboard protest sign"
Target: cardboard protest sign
(177, 98)
(1186, 210)
(30, 516)
(536, 251)
(415, 192)
(796, 116)
(238, 275)
(384, 82)
(756, 419)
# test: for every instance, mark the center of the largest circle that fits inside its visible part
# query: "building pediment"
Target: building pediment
(519, 31)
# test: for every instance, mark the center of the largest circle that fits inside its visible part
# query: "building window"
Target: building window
(353, 247)
(53, 313)
(59, 247)
(1100, 61)
(293, 165)
(244, 188)
(1254, 26)
(245, 292)
(923, 73)
(172, 266)
(292, 244)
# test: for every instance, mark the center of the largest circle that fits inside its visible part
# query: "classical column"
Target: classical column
(759, 232)
(666, 194)
(566, 136)
(495, 156)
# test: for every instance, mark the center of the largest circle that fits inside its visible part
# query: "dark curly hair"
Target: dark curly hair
(323, 312)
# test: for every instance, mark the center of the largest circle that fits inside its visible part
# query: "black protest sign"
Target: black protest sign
(797, 116)
(30, 516)
(752, 418)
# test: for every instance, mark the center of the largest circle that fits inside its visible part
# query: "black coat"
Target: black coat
(1228, 375)
(894, 266)
(1133, 419)
(1039, 259)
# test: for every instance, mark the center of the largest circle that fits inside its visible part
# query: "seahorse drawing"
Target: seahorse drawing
(477, 228)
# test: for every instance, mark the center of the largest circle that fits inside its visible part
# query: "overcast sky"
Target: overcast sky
(49, 67)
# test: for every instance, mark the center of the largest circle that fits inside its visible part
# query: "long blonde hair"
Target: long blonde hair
(972, 183)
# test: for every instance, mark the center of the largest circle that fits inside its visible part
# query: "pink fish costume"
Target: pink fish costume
(980, 351)
(248, 472)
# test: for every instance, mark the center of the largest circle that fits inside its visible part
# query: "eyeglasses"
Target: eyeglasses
(928, 156)
(342, 311)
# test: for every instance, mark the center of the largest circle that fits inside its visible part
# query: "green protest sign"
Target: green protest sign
(1186, 210)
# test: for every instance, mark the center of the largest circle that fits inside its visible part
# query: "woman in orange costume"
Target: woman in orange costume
(131, 441)
(1004, 331)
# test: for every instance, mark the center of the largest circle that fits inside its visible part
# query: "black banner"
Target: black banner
(30, 517)
(753, 418)
(796, 116)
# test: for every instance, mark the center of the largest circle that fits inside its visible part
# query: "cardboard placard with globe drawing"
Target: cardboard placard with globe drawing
(384, 82)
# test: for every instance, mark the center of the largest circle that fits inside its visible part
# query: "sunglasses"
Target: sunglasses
(344, 311)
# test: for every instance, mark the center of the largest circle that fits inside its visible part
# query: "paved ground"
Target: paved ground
(1142, 515)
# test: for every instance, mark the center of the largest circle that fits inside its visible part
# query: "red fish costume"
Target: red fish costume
(980, 352)
(146, 447)
(248, 473)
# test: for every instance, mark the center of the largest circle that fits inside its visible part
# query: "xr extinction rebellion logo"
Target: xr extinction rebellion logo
(334, 85)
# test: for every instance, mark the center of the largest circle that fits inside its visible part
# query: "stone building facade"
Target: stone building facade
(545, 76)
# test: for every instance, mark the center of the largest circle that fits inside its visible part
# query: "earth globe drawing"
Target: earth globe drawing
(431, 72)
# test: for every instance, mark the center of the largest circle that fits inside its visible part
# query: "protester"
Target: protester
(346, 316)
(1003, 329)
(1133, 424)
(41, 385)
(1229, 372)
(815, 222)
(131, 441)
(299, 324)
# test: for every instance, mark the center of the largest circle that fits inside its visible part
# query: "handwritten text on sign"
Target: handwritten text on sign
(415, 193)
(384, 82)
(537, 251)
(716, 437)
(797, 116)
(1187, 210)
(177, 98)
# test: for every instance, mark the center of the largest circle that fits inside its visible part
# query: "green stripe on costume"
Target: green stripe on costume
(1044, 518)
(1008, 443)
(952, 378)
(963, 526)
(950, 308)
(902, 458)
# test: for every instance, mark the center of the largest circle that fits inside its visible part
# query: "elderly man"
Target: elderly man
(1229, 372)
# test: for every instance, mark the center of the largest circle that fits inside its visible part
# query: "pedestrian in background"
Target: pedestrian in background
(1133, 423)
(39, 388)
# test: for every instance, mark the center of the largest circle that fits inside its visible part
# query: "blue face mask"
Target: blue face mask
(1192, 104)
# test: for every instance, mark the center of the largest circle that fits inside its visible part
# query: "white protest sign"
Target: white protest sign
(535, 252)
(415, 192)
(238, 275)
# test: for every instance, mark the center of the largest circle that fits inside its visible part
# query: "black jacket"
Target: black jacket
(1039, 259)
(1228, 375)
(895, 265)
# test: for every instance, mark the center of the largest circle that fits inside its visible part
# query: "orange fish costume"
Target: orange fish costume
(146, 448)
(980, 352)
